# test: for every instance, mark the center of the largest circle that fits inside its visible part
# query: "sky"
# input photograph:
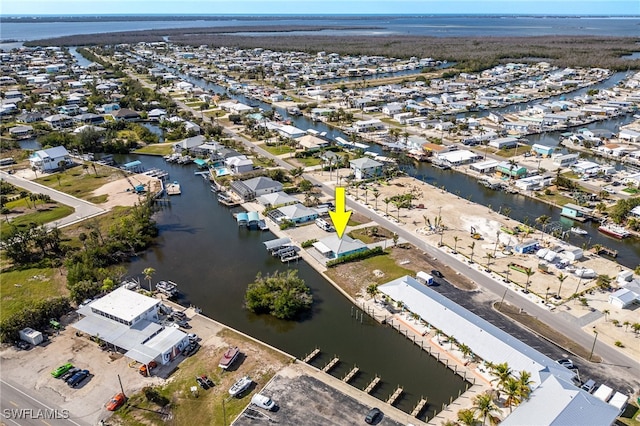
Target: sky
(327, 7)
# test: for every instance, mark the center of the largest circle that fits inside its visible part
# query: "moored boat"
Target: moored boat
(240, 386)
(613, 230)
(168, 288)
(578, 231)
(229, 357)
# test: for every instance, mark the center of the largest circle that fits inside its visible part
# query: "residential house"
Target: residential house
(125, 114)
(276, 199)
(59, 121)
(333, 247)
(297, 213)
(312, 143)
(29, 117)
(89, 118)
(51, 159)
(372, 125)
(366, 168)
(21, 132)
(514, 171)
(239, 164)
(188, 144)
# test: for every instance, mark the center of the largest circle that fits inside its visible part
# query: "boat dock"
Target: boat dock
(331, 364)
(311, 356)
(173, 188)
(395, 395)
(351, 374)
(372, 385)
(419, 407)
(226, 200)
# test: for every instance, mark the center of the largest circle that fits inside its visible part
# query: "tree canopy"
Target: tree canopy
(281, 294)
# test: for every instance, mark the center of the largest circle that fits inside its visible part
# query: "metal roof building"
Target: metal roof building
(485, 339)
(557, 402)
(334, 247)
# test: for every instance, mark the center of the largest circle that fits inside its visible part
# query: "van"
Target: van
(323, 224)
(263, 401)
(588, 385)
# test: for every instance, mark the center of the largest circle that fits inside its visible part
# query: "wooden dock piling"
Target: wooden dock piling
(311, 356)
(351, 374)
(396, 394)
(419, 407)
(372, 385)
(331, 364)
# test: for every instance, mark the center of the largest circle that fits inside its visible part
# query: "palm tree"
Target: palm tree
(387, 201)
(467, 417)
(376, 194)
(561, 277)
(626, 325)
(466, 350)
(512, 392)
(484, 405)
(525, 382)
(372, 290)
(606, 312)
(472, 246)
(35, 170)
(148, 273)
(528, 272)
(455, 243)
(489, 256)
(501, 373)
(543, 221)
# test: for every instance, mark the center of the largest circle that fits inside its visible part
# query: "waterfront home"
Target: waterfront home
(188, 144)
(333, 247)
(88, 118)
(239, 164)
(514, 171)
(457, 157)
(392, 109)
(504, 143)
(579, 213)
(297, 213)
(89, 127)
(533, 183)
(129, 323)
(50, 159)
(125, 114)
(312, 143)
(629, 135)
(543, 150)
(249, 189)
(59, 121)
(366, 168)
(372, 125)
(627, 295)
(586, 167)
(21, 132)
(235, 107)
(276, 199)
(565, 160)
(157, 114)
(29, 117)
(109, 108)
(516, 127)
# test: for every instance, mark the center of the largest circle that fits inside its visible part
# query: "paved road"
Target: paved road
(83, 209)
(613, 359)
(20, 408)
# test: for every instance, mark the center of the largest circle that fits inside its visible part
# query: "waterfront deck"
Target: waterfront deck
(173, 189)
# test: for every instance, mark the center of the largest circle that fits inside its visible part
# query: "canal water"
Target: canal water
(201, 248)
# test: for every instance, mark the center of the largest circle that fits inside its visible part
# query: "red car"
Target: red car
(116, 402)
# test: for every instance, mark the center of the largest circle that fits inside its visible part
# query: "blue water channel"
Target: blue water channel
(201, 248)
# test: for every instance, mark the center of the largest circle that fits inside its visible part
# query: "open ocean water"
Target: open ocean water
(435, 26)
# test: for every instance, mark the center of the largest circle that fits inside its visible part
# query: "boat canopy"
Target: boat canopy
(277, 243)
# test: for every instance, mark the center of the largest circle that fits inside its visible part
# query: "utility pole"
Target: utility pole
(594, 343)
(121, 388)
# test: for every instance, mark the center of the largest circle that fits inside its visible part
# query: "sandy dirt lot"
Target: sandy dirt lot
(120, 192)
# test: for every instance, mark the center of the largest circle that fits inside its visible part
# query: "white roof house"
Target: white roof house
(364, 168)
(126, 306)
(628, 294)
(298, 213)
(277, 199)
(49, 159)
(485, 340)
(557, 402)
(334, 247)
(458, 157)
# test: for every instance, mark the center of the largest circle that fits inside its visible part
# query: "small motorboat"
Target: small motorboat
(240, 386)
(228, 358)
(578, 231)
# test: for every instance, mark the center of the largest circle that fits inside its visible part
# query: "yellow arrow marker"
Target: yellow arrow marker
(340, 217)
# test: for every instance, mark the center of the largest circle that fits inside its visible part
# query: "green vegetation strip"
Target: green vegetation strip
(156, 149)
(80, 182)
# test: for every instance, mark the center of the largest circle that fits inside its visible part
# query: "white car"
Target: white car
(193, 337)
(263, 401)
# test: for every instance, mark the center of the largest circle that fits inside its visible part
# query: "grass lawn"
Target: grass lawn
(78, 182)
(43, 214)
(214, 113)
(309, 161)
(194, 104)
(506, 153)
(631, 415)
(556, 198)
(631, 191)
(364, 234)
(156, 149)
(20, 288)
(277, 149)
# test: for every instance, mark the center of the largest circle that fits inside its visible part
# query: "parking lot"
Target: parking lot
(306, 400)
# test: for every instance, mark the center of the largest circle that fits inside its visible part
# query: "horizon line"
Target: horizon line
(55, 15)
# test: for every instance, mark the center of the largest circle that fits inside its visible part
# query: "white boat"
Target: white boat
(578, 231)
(585, 273)
(614, 230)
(168, 288)
(240, 386)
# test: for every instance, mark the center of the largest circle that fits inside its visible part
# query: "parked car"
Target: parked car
(207, 380)
(193, 337)
(115, 402)
(437, 273)
(191, 349)
(263, 401)
(61, 370)
(589, 385)
(373, 416)
(77, 378)
(567, 363)
(66, 376)
(143, 368)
